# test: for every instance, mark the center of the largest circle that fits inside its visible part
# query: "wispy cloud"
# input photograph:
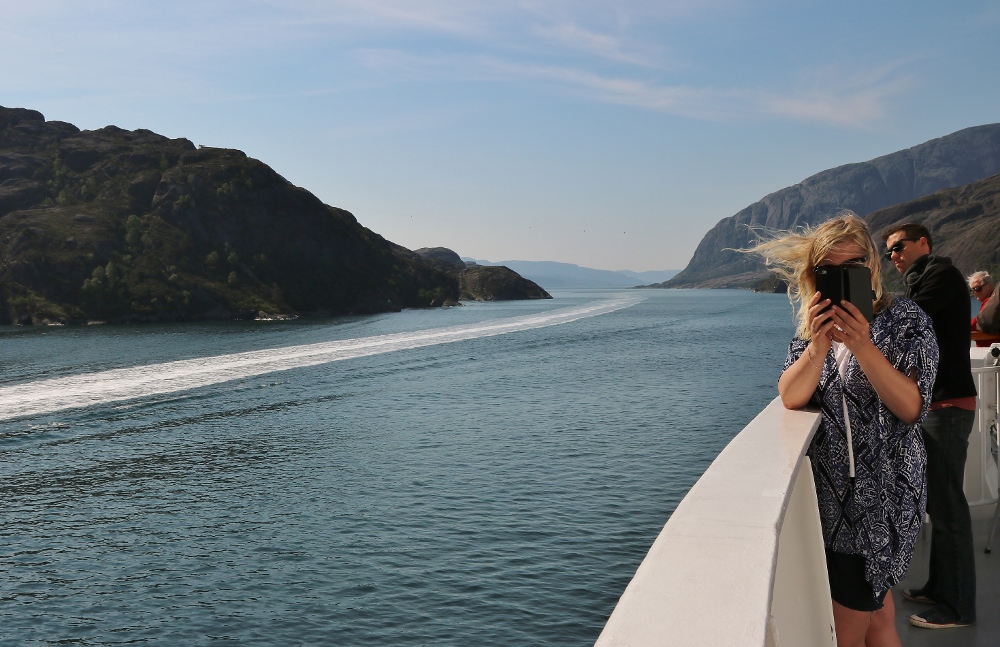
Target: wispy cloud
(843, 95)
(596, 50)
(854, 101)
(854, 108)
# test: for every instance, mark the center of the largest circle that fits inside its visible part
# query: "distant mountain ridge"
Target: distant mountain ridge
(554, 275)
(953, 160)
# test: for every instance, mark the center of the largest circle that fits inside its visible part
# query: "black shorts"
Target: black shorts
(848, 586)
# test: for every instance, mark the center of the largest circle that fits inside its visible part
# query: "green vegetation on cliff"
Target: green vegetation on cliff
(120, 225)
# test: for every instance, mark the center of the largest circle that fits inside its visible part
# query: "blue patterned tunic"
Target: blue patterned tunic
(880, 516)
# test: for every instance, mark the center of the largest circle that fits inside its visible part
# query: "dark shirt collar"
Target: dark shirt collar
(915, 272)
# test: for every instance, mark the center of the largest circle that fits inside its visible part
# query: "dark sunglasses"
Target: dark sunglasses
(898, 247)
(860, 261)
(978, 288)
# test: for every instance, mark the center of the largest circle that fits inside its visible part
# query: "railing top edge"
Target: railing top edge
(720, 541)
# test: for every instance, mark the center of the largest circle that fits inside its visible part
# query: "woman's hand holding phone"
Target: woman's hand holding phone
(820, 324)
(850, 327)
(796, 385)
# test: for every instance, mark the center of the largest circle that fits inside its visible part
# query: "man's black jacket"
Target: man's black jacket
(939, 288)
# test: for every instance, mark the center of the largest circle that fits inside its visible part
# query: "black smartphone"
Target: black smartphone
(847, 283)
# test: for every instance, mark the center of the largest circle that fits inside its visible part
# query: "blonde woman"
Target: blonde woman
(873, 384)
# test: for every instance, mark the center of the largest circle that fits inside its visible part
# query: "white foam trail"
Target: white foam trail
(88, 389)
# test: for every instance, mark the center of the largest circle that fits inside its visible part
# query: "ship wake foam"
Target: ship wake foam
(118, 385)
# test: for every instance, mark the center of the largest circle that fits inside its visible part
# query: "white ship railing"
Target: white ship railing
(740, 562)
(981, 466)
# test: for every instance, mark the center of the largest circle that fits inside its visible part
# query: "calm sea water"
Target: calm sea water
(499, 490)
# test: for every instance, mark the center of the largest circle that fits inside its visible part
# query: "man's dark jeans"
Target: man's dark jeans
(952, 580)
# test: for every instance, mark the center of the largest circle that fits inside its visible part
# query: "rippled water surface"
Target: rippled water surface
(493, 490)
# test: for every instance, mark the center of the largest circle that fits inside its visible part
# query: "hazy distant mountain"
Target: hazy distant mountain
(962, 157)
(652, 276)
(550, 275)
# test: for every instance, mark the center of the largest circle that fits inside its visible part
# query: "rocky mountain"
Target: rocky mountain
(964, 223)
(449, 258)
(118, 225)
(495, 283)
(957, 159)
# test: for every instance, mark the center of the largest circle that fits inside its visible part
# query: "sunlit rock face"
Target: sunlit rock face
(497, 283)
(957, 159)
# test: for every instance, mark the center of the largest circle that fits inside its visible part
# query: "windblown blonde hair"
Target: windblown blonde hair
(792, 256)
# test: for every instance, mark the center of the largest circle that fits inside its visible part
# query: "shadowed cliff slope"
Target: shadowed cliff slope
(962, 157)
(964, 223)
(123, 225)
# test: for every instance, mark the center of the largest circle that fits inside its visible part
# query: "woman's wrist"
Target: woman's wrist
(819, 348)
(809, 356)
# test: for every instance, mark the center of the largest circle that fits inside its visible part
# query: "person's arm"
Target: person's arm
(799, 381)
(898, 392)
(987, 319)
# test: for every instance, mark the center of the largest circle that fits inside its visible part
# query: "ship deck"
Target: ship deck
(986, 631)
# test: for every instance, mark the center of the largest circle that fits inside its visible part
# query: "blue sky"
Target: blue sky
(607, 134)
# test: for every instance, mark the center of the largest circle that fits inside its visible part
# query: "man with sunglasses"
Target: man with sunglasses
(981, 285)
(939, 288)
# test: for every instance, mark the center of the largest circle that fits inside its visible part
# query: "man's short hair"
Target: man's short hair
(911, 230)
(981, 275)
